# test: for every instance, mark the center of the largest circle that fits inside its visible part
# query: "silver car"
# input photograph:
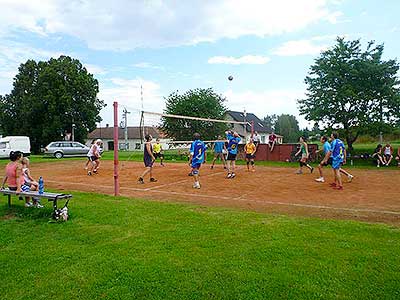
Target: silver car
(66, 148)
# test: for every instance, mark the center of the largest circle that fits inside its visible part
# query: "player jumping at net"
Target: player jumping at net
(197, 158)
(219, 151)
(250, 150)
(338, 154)
(233, 142)
(326, 147)
(148, 159)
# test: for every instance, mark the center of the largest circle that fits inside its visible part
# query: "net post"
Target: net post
(116, 175)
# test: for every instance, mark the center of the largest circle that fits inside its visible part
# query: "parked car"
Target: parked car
(14, 143)
(66, 149)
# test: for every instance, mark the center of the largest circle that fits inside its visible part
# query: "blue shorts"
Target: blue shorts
(196, 166)
(336, 164)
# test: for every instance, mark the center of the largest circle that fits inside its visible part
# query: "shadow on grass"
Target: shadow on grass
(21, 213)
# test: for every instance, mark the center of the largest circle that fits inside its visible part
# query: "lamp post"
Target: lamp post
(73, 132)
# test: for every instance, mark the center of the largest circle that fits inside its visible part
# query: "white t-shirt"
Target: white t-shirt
(93, 149)
(387, 151)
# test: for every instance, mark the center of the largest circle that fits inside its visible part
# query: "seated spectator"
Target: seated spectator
(272, 141)
(378, 156)
(387, 154)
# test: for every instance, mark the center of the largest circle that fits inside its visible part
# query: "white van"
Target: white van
(14, 143)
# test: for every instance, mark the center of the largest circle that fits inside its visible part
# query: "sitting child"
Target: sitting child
(378, 156)
(388, 154)
(29, 183)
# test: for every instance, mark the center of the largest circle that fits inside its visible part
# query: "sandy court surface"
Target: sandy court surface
(374, 195)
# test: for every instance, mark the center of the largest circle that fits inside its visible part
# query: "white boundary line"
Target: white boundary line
(315, 206)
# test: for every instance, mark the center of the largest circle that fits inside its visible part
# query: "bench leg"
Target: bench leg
(9, 201)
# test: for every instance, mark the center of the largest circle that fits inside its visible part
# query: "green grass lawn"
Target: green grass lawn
(120, 248)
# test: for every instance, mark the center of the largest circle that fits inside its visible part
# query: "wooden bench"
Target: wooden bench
(51, 197)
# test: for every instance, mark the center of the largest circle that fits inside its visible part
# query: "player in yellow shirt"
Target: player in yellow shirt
(158, 151)
(250, 150)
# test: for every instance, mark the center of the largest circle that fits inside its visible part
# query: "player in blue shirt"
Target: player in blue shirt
(326, 147)
(338, 155)
(233, 142)
(219, 151)
(197, 157)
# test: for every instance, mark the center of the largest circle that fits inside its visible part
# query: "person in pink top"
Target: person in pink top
(13, 176)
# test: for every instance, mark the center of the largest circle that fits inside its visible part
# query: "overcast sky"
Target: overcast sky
(164, 46)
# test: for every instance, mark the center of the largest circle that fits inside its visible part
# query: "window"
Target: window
(4, 145)
(66, 145)
(77, 145)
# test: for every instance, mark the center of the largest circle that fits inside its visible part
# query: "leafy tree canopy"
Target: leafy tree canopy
(288, 127)
(203, 103)
(351, 89)
(47, 98)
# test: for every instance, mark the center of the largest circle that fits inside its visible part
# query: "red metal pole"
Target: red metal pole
(116, 175)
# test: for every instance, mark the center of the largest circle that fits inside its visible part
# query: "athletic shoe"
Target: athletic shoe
(140, 180)
(89, 173)
(229, 175)
(196, 185)
(320, 179)
(333, 184)
(153, 180)
(211, 167)
(350, 178)
(233, 175)
(225, 167)
(312, 170)
(38, 205)
(28, 204)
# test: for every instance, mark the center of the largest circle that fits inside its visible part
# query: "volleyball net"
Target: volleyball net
(176, 131)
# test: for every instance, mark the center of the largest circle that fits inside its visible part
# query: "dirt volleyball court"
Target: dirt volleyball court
(374, 195)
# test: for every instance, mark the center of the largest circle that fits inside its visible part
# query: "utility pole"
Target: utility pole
(125, 117)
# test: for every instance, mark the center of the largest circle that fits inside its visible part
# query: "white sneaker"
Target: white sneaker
(196, 185)
(28, 204)
(229, 175)
(321, 179)
(233, 175)
(38, 205)
(350, 178)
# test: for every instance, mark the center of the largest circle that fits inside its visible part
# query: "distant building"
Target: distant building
(245, 130)
(135, 138)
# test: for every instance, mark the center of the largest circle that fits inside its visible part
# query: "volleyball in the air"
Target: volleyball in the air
(230, 78)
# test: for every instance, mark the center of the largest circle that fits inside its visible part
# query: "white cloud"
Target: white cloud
(94, 69)
(126, 24)
(267, 103)
(12, 54)
(243, 60)
(127, 92)
(300, 47)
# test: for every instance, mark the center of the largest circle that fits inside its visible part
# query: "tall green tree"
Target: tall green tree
(352, 89)
(47, 98)
(269, 122)
(288, 127)
(203, 103)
